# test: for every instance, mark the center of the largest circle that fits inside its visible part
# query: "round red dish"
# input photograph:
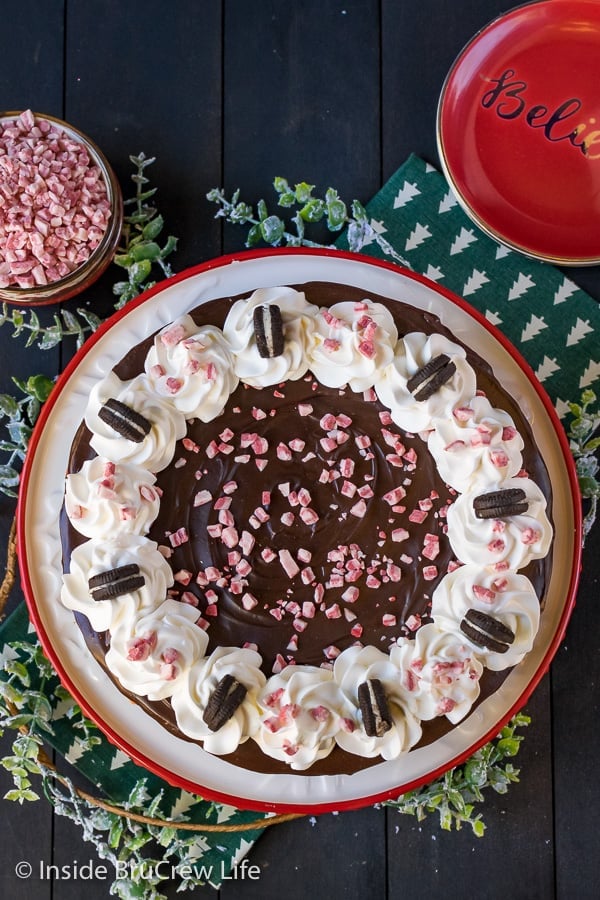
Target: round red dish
(127, 725)
(519, 130)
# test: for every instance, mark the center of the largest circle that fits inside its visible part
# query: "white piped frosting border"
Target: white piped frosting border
(301, 713)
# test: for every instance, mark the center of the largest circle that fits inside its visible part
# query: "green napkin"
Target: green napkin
(551, 321)
(554, 324)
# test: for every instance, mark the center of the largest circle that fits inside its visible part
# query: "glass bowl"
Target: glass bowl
(87, 271)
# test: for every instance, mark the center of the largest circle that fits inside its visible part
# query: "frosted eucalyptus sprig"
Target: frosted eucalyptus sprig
(584, 447)
(304, 209)
(454, 795)
(142, 856)
(18, 415)
(140, 251)
(25, 708)
(66, 324)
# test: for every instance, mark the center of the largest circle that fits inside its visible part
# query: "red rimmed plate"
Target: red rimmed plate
(127, 725)
(519, 130)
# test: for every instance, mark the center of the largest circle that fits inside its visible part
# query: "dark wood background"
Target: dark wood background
(227, 92)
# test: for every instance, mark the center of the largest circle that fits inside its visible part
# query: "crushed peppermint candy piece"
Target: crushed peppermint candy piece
(179, 537)
(288, 563)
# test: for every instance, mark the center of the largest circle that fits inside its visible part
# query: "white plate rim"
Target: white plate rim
(177, 761)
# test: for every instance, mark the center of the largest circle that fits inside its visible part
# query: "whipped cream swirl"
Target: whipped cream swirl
(353, 667)
(194, 690)
(412, 352)
(106, 498)
(298, 319)
(98, 555)
(507, 596)
(476, 447)
(193, 368)
(299, 716)
(151, 656)
(509, 542)
(167, 424)
(352, 344)
(440, 673)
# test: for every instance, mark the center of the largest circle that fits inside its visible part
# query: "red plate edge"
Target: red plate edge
(482, 223)
(240, 802)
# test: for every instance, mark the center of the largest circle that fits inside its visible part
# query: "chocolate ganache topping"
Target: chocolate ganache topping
(303, 523)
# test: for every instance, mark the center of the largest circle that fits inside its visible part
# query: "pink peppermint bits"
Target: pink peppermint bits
(57, 207)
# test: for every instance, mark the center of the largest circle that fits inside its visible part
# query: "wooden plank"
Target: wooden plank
(575, 678)
(32, 55)
(410, 92)
(141, 79)
(26, 838)
(301, 99)
(420, 41)
(497, 864)
(30, 75)
(301, 93)
(144, 113)
(31, 66)
(326, 856)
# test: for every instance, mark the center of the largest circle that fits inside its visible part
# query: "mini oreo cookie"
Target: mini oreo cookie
(486, 631)
(494, 504)
(268, 330)
(430, 377)
(116, 582)
(374, 707)
(126, 421)
(223, 702)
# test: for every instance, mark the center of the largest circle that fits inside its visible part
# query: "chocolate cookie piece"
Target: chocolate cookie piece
(126, 421)
(268, 330)
(495, 504)
(486, 631)
(223, 702)
(374, 707)
(116, 582)
(430, 377)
